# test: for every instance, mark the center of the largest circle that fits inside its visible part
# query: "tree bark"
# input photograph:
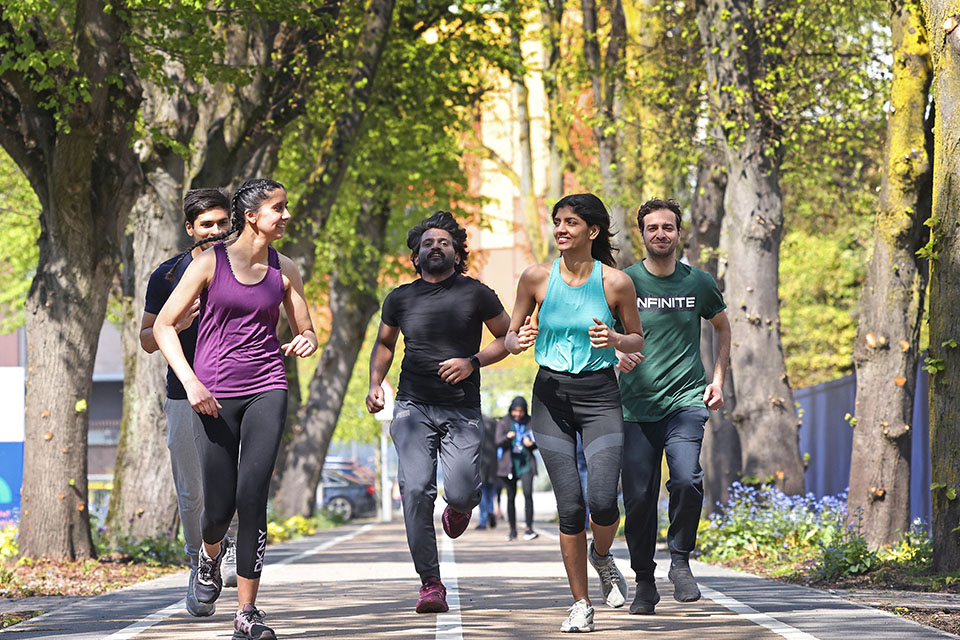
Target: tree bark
(942, 18)
(605, 80)
(86, 177)
(240, 143)
(551, 16)
(352, 304)
(297, 479)
(891, 306)
(764, 416)
(532, 214)
(720, 454)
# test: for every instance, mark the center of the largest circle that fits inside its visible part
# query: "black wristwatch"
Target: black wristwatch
(475, 361)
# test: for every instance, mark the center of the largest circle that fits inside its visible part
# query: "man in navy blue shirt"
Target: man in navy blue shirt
(207, 215)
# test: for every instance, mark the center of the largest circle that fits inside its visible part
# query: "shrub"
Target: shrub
(758, 522)
(849, 555)
(8, 543)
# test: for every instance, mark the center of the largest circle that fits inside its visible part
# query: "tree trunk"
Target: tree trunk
(352, 304)
(605, 76)
(143, 502)
(891, 307)
(551, 16)
(297, 479)
(229, 140)
(943, 17)
(720, 456)
(764, 416)
(532, 215)
(86, 177)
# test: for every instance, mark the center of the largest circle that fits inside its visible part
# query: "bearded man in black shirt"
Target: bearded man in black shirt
(441, 315)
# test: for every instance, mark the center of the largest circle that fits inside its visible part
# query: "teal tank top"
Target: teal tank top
(563, 343)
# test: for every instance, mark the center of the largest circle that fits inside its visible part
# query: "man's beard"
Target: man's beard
(661, 252)
(435, 267)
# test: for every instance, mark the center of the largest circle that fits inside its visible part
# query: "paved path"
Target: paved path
(357, 582)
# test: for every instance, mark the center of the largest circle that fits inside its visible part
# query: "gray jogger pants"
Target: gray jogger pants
(183, 423)
(421, 432)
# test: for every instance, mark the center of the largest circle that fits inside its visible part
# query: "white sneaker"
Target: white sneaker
(612, 583)
(580, 619)
(229, 566)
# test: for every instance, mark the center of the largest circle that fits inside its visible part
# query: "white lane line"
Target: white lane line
(782, 629)
(764, 620)
(449, 626)
(157, 617)
(142, 625)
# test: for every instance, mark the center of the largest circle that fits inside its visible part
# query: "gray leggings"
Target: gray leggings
(588, 403)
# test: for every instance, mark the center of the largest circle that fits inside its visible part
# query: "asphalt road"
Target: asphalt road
(358, 582)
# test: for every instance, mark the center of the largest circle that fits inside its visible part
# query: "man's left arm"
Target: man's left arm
(713, 395)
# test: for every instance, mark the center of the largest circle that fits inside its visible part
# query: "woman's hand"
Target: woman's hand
(527, 335)
(201, 399)
(602, 336)
(301, 346)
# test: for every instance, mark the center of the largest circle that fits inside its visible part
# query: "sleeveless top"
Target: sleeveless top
(563, 343)
(238, 352)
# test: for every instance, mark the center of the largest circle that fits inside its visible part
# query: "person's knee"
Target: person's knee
(572, 519)
(685, 480)
(461, 499)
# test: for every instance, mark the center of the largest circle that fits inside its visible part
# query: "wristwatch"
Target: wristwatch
(475, 361)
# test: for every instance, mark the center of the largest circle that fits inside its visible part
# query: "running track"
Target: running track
(357, 582)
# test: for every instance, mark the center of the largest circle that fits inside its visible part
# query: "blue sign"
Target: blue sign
(11, 478)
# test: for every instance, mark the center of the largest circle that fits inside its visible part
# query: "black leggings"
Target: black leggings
(238, 450)
(588, 403)
(526, 481)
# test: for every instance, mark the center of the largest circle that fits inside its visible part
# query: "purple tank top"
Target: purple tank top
(238, 352)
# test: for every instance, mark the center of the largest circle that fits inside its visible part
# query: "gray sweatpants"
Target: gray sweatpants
(183, 424)
(420, 432)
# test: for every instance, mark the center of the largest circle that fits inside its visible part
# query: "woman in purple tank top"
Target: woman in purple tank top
(238, 384)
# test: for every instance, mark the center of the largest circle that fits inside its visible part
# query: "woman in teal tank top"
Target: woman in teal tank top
(566, 310)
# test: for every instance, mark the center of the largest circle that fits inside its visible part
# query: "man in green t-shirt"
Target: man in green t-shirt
(665, 400)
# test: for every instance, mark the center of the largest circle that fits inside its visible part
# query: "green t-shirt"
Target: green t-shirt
(671, 375)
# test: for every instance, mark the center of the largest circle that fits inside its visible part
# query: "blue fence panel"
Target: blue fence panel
(828, 438)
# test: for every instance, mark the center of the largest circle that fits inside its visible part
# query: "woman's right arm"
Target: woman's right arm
(522, 334)
(197, 276)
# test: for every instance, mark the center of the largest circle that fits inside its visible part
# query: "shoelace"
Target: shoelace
(205, 572)
(231, 554)
(580, 607)
(254, 616)
(608, 572)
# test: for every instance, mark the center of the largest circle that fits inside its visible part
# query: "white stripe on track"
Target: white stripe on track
(764, 620)
(449, 625)
(782, 629)
(157, 617)
(142, 625)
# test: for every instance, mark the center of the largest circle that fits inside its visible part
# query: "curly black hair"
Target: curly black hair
(440, 220)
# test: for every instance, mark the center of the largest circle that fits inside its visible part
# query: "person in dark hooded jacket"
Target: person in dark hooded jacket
(515, 446)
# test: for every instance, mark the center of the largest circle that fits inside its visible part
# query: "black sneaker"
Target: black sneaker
(512, 535)
(685, 587)
(646, 598)
(209, 583)
(249, 622)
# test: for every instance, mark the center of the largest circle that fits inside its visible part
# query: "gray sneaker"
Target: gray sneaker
(208, 583)
(229, 567)
(611, 580)
(580, 619)
(248, 623)
(194, 606)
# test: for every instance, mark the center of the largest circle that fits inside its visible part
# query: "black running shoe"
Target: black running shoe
(249, 622)
(209, 582)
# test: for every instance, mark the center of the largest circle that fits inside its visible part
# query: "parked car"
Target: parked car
(348, 496)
